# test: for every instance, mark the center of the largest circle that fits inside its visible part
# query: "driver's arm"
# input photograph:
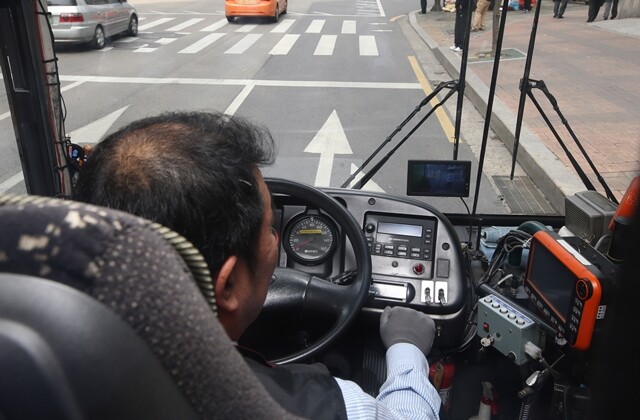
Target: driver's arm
(407, 393)
(407, 389)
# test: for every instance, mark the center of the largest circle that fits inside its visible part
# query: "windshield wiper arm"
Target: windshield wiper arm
(452, 85)
(527, 86)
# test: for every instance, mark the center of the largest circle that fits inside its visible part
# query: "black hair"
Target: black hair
(193, 172)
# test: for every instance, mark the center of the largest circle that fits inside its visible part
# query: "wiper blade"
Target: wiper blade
(452, 85)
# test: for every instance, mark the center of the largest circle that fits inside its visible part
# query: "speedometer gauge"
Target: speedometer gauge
(310, 239)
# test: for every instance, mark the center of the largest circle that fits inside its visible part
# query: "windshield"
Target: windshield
(482, 172)
(357, 89)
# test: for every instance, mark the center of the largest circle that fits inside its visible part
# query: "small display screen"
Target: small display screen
(552, 279)
(445, 178)
(400, 229)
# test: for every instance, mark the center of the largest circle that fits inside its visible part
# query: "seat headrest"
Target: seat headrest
(126, 263)
(63, 355)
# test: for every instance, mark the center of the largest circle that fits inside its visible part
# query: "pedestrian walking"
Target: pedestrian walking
(463, 8)
(479, 15)
(614, 9)
(423, 7)
(607, 8)
(559, 7)
(594, 9)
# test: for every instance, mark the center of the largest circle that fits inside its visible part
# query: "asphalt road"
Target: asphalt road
(332, 81)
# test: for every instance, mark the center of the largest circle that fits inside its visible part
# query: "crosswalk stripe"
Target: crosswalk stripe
(242, 45)
(284, 45)
(184, 25)
(165, 41)
(369, 8)
(246, 28)
(214, 27)
(144, 49)
(325, 45)
(201, 44)
(154, 23)
(283, 26)
(368, 45)
(349, 27)
(315, 26)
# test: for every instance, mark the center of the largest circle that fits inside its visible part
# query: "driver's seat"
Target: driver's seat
(105, 315)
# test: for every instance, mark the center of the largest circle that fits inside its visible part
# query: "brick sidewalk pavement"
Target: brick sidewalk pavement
(592, 70)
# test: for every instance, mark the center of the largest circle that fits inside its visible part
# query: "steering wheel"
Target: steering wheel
(295, 290)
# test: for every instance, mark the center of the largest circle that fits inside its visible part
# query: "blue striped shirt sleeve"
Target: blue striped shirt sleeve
(406, 394)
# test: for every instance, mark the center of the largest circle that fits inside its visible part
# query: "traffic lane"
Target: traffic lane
(343, 127)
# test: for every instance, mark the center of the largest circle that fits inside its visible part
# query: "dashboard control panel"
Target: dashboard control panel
(411, 262)
(401, 245)
(400, 237)
(416, 258)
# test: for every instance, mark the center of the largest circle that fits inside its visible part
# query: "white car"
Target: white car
(91, 21)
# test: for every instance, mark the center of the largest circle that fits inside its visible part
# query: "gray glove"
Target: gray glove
(405, 325)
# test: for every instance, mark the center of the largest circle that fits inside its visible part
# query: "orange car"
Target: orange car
(269, 8)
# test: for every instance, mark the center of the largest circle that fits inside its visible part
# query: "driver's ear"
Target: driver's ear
(225, 286)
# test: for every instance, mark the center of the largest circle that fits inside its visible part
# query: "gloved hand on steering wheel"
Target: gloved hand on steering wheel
(406, 325)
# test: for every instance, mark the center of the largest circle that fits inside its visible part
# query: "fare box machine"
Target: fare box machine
(571, 287)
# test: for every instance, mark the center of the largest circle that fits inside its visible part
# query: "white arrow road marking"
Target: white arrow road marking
(369, 186)
(92, 133)
(238, 100)
(63, 89)
(11, 182)
(330, 140)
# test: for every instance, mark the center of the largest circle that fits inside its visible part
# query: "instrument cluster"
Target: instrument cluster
(310, 239)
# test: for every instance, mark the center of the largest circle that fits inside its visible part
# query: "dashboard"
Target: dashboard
(415, 252)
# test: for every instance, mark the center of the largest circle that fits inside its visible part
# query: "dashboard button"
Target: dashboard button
(418, 268)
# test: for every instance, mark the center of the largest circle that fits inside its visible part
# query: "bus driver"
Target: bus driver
(199, 174)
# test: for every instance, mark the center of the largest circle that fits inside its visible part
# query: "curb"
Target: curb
(549, 174)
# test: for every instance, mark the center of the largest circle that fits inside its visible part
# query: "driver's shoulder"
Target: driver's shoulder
(307, 390)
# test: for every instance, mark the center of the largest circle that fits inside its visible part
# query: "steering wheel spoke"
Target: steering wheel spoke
(326, 297)
(286, 292)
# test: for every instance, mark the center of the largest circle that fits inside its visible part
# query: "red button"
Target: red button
(418, 268)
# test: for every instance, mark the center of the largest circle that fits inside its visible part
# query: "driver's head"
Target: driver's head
(198, 174)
